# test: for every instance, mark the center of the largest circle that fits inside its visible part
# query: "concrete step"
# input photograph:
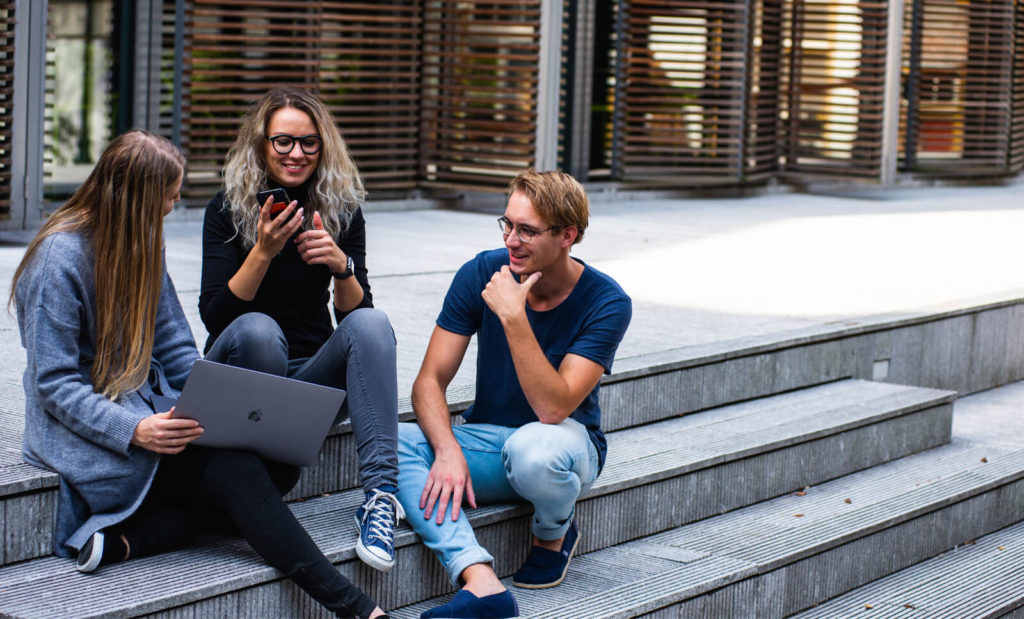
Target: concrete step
(779, 557)
(981, 578)
(657, 477)
(28, 494)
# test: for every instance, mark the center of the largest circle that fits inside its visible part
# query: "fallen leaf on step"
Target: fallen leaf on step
(847, 501)
(868, 606)
(984, 459)
(1002, 548)
(800, 493)
(798, 515)
(910, 606)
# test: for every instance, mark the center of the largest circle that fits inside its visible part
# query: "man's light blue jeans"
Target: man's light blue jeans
(548, 465)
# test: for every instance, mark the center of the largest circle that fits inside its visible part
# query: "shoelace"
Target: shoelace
(380, 508)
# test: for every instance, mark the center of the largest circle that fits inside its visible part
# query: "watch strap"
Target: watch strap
(348, 272)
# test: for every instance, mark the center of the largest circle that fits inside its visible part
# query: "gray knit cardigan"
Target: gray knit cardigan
(69, 428)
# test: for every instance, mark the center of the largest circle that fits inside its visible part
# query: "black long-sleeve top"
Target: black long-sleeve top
(293, 293)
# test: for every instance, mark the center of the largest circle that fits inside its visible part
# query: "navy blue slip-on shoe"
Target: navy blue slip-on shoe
(546, 568)
(465, 605)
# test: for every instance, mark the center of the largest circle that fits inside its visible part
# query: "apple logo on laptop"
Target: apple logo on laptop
(255, 415)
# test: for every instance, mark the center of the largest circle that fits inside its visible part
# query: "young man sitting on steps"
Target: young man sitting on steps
(547, 328)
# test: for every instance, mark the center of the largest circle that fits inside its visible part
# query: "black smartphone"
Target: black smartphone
(280, 200)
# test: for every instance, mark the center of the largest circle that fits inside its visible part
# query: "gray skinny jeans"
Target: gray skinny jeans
(358, 357)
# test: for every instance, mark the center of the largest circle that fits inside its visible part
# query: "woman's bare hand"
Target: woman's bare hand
(273, 233)
(162, 434)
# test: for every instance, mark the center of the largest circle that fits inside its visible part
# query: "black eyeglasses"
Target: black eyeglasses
(284, 143)
(525, 233)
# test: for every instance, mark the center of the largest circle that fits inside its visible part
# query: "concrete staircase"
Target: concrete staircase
(979, 578)
(758, 479)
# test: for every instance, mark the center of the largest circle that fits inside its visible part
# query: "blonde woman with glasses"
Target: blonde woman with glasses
(104, 333)
(268, 272)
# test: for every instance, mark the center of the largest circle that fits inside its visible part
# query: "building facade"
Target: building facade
(443, 96)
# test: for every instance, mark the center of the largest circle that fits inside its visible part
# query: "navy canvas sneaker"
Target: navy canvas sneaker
(546, 568)
(465, 605)
(377, 518)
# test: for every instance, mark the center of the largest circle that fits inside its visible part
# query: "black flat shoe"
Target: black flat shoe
(91, 555)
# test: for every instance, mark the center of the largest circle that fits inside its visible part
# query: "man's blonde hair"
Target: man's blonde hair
(558, 198)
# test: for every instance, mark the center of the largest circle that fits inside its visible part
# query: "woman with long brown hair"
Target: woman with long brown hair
(267, 282)
(104, 333)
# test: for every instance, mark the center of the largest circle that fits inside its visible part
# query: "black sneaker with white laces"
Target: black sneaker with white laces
(91, 555)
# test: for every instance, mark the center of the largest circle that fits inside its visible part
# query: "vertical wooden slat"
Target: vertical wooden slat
(7, 21)
(479, 98)
(833, 83)
(685, 73)
(761, 149)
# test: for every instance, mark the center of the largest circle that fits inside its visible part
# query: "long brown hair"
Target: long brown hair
(336, 189)
(120, 209)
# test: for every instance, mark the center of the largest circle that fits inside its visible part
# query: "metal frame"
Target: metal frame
(620, 77)
(145, 112)
(179, 70)
(548, 85)
(579, 87)
(891, 104)
(27, 133)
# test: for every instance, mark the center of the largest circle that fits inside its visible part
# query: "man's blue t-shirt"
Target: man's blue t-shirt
(590, 323)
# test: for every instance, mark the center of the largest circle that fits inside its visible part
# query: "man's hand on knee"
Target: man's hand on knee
(448, 480)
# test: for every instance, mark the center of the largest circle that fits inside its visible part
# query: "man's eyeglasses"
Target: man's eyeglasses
(284, 143)
(525, 233)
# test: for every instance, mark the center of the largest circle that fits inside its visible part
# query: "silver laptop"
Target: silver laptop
(277, 418)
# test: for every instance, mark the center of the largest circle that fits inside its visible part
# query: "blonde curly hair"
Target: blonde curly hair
(336, 191)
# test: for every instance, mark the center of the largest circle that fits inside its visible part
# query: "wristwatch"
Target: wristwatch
(347, 273)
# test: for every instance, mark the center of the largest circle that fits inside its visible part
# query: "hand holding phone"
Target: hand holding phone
(280, 200)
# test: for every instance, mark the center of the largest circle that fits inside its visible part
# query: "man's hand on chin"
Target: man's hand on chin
(505, 296)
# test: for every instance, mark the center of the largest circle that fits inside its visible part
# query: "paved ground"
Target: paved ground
(699, 271)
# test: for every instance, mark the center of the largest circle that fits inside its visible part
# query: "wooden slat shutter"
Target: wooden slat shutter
(1016, 154)
(360, 57)
(480, 74)
(681, 117)
(369, 78)
(234, 51)
(833, 78)
(958, 59)
(6, 104)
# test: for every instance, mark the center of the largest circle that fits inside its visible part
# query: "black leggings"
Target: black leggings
(203, 490)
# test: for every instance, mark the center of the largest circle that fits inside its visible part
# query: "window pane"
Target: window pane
(80, 106)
